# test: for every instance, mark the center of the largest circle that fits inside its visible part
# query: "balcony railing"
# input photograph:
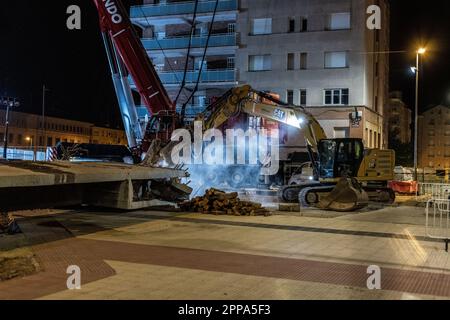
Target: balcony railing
(220, 40)
(181, 8)
(227, 75)
(192, 110)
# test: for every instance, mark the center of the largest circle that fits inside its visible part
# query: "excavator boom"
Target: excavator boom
(115, 22)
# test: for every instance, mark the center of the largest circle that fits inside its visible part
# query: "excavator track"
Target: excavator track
(381, 195)
(290, 193)
(310, 197)
(346, 196)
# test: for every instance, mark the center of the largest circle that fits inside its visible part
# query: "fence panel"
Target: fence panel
(438, 220)
(427, 191)
(25, 154)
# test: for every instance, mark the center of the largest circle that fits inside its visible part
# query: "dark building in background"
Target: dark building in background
(399, 118)
(434, 138)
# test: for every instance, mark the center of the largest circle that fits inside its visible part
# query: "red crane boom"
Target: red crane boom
(115, 21)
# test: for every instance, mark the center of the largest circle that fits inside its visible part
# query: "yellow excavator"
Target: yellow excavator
(346, 174)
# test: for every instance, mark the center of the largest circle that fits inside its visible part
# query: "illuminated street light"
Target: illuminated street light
(30, 140)
(420, 51)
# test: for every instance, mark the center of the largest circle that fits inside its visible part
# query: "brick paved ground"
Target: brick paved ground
(145, 255)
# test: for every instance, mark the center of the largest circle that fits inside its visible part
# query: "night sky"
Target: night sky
(37, 48)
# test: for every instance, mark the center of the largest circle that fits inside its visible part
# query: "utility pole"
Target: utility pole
(44, 142)
(9, 103)
(43, 114)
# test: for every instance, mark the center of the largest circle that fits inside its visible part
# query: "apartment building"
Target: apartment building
(320, 55)
(27, 130)
(166, 37)
(398, 116)
(317, 54)
(434, 138)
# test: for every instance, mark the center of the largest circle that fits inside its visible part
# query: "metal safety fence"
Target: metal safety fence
(39, 154)
(427, 191)
(438, 220)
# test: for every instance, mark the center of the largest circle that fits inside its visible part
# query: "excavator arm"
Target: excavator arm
(246, 100)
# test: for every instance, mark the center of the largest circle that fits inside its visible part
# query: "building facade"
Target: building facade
(317, 54)
(27, 130)
(434, 138)
(399, 118)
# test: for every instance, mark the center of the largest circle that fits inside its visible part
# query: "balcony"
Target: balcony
(220, 40)
(179, 8)
(207, 76)
(192, 110)
(225, 76)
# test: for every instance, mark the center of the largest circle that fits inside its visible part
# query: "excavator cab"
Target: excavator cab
(339, 161)
(340, 157)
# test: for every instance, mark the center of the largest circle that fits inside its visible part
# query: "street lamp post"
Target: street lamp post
(43, 114)
(30, 139)
(419, 52)
(9, 103)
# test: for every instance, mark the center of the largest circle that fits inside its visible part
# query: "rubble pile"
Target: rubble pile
(218, 202)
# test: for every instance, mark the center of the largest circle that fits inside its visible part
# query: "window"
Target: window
(336, 59)
(49, 141)
(231, 27)
(339, 21)
(304, 25)
(336, 96)
(19, 139)
(160, 35)
(447, 142)
(291, 25)
(290, 61)
(302, 93)
(260, 63)
(262, 26)
(303, 60)
(290, 96)
(340, 133)
(230, 63)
